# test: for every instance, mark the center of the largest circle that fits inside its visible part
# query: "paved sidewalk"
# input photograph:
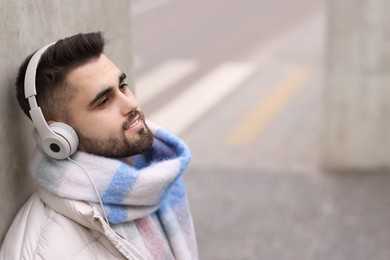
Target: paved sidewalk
(259, 214)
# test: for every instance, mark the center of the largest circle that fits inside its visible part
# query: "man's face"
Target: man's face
(104, 112)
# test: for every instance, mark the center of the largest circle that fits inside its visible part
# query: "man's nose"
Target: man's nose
(128, 103)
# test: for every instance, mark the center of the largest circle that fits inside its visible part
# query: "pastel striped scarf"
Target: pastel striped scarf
(145, 202)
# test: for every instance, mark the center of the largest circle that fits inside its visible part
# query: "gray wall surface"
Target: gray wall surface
(24, 27)
(357, 97)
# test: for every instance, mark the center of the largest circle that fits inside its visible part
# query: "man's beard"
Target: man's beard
(123, 146)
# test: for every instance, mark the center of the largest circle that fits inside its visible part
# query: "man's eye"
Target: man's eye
(123, 87)
(103, 102)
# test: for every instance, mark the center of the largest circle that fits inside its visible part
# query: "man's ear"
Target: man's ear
(49, 122)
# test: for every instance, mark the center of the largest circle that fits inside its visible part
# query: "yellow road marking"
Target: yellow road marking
(268, 108)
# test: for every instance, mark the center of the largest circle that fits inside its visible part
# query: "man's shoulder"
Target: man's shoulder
(38, 229)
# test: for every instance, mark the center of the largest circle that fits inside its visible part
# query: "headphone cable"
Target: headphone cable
(94, 186)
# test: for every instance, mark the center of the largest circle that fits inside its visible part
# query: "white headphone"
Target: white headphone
(59, 140)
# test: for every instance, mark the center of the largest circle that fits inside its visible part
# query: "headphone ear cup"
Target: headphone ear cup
(66, 132)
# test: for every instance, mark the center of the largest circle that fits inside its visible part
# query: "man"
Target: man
(120, 195)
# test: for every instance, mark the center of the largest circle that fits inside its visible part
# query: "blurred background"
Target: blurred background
(285, 107)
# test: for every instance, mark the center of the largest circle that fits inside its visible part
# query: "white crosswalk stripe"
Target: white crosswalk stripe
(202, 95)
(161, 78)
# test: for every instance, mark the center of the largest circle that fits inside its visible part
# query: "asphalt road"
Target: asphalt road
(242, 83)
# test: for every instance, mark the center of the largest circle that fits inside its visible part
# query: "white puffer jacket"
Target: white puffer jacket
(50, 227)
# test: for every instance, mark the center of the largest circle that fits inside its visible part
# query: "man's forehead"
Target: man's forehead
(94, 70)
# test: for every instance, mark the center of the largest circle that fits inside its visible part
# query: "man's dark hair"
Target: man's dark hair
(53, 90)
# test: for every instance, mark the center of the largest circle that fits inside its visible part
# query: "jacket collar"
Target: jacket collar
(89, 217)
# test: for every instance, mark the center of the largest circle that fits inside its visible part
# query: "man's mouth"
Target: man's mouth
(132, 123)
(135, 121)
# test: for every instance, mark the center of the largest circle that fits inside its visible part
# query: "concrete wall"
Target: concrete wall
(357, 94)
(24, 27)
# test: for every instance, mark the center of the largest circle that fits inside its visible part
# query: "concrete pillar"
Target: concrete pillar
(24, 27)
(357, 91)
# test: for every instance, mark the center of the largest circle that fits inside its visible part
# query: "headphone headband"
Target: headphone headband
(31, 71)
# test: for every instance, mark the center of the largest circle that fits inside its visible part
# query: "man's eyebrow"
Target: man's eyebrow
(100, 95)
